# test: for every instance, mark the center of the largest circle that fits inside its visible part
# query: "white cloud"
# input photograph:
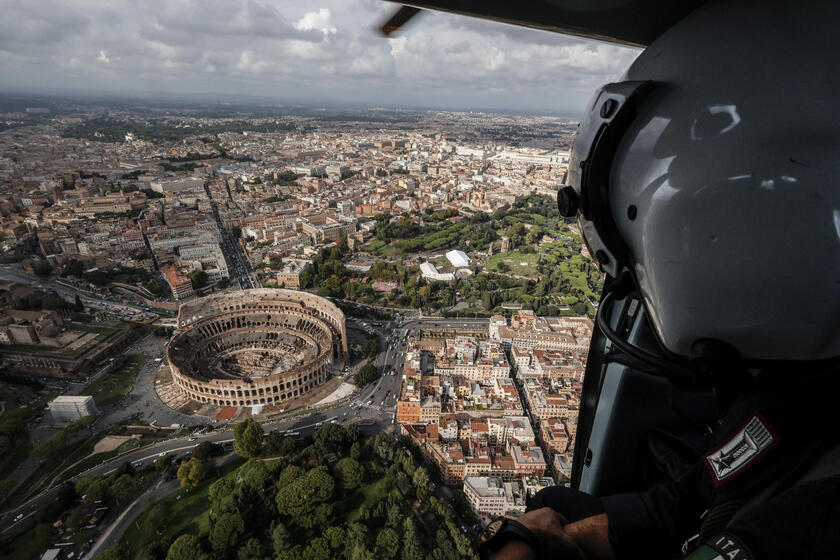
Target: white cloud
(296, 52)
(319, 20)
(249, 63)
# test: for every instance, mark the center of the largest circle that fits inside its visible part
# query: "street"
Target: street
(372, 408)
(237, 263)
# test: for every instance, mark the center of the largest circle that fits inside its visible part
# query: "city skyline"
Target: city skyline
(328, 53)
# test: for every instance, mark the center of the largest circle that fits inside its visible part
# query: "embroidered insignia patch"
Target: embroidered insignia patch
(721, 547)
(746, 445)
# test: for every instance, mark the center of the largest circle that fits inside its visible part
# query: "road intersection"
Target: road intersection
(372, 407)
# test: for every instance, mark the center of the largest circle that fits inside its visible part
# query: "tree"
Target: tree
(351, 472)
(356, 536)
(394, 516)
(371, 347)
(191, 472)
(383, 446)
(250, 550)
(77, 518)
(154, 549)
(289, 475)
(301, 497)
(161, 463)
(333, 286)
(335, 536)
(42, 536)
(54, 301)
(254, 474)
(55, 446)
(97, 490)
(449, 297)
(116, 552)
(360, 552)
(278, 444)
(156, 517)
(122, 488)
(329, 439)
(42, 268)
(247, 438)
(280, 538)
(387, 544)
(198, 279)
(124, 468)
(226, 531)
(420, 478)
(221, 494)
(318, 549)
(78, 306)
(365, 375)
(82, 485)
(74, 268)
(488, 300)
(203, 451)
(66, 494)
(186, 547)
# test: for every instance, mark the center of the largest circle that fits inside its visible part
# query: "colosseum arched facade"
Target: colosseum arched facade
(254, 347)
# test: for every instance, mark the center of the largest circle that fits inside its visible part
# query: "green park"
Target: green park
(335, 494)
(109, 389)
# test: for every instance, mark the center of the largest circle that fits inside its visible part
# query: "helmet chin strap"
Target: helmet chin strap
(627, 354)
(723, 365)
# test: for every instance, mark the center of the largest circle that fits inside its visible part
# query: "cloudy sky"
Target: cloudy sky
(317, 51)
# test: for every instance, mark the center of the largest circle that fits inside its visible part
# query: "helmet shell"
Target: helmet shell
(732, 166)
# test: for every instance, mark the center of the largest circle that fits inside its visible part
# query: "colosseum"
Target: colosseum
(254, 347)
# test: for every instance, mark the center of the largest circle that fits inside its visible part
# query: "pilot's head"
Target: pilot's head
(711, 175)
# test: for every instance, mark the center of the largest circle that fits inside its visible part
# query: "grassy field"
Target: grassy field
(368, 495)
(93, 460)
(109, 389)
(519, 264)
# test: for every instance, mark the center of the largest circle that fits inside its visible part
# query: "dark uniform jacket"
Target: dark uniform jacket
(769, 487)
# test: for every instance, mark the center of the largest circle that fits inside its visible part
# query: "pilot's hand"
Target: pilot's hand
(590, 534)
(583, 540)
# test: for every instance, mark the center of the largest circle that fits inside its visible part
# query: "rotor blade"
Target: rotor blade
(400, 18)
(629, 22)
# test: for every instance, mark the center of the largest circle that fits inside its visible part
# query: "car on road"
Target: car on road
(192, 439)
(18, 517)
(162, 454)
(319, 424)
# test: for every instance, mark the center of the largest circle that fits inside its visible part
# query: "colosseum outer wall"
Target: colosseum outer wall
(230, 315)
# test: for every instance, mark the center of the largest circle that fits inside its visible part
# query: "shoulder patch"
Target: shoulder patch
(752, 440)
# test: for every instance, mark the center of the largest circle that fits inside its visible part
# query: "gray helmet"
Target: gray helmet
(712, 174)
